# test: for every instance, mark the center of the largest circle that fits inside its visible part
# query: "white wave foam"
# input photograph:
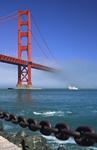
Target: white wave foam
(50, 113)
(92, 148)
(7, 127)
(37, 113)
(69, 112)
(52, 139)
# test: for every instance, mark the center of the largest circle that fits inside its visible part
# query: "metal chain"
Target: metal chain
(83, 135)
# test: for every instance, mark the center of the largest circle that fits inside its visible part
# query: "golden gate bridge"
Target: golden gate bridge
(24, 66)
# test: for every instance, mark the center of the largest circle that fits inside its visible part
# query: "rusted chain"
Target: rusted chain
(83, 135)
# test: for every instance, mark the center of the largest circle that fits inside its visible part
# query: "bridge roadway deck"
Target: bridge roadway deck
(16, 61)
(6, 145)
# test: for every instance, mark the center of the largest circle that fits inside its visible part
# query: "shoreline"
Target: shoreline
(33, 142)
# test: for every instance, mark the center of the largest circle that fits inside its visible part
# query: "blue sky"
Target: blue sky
(70, 29)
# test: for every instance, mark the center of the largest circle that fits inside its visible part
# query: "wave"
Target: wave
(94, 111)
(50, 113)
(69, 112)
(7, 127)
(92, 148)
(52, 139)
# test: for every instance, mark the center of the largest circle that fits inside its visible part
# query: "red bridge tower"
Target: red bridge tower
(24, 72)
(24, 66)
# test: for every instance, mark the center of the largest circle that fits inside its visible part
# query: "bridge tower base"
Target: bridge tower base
(24, 72)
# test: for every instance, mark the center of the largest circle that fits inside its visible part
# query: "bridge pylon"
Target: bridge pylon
(24, 72)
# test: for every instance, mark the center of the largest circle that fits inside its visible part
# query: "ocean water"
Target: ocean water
(74, 108)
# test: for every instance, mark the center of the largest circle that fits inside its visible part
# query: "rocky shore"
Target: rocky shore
(29, 142)
(22, 139)
(26, 141)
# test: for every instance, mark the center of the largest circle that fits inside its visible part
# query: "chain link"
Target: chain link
(83, 135)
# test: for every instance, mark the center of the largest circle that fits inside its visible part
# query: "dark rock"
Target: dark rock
(30, 142)
(61, 147)
(37, 143)
(1, 125)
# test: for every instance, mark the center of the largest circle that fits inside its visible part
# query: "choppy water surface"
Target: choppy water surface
(73, 107)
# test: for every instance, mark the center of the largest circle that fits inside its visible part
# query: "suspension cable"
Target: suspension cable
(7, 19)
(39, 45)
(34, 38)
(9, 15)
(42, 37)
